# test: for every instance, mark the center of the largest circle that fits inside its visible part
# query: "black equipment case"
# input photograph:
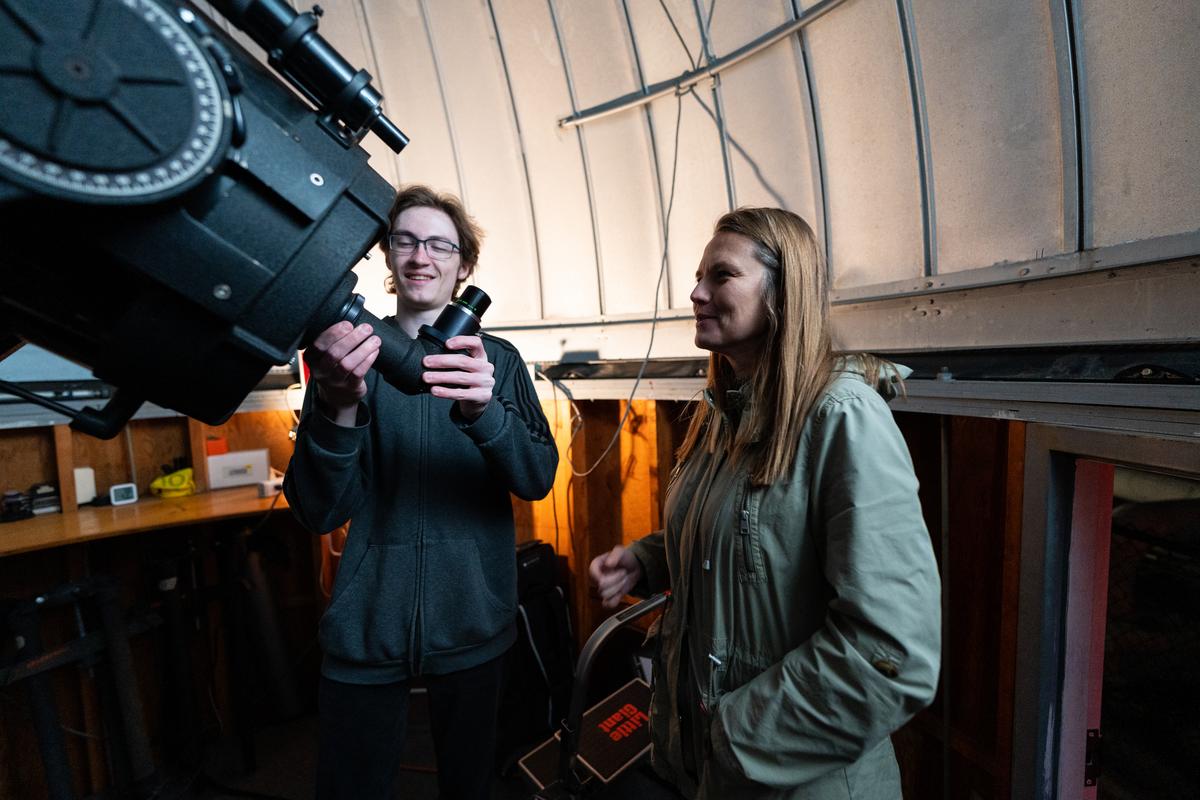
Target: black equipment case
(540, 670)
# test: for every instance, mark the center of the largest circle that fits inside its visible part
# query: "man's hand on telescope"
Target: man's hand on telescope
(467, 378)
(338, 359)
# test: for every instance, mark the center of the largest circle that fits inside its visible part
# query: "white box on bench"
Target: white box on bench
(239, 468)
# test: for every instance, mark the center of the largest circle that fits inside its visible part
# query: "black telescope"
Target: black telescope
(174, 216)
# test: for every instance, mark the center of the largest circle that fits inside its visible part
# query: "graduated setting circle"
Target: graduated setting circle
(110, 101)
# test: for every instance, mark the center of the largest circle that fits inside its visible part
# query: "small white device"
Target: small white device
(272, 485)
(122, 494)
(85, 485)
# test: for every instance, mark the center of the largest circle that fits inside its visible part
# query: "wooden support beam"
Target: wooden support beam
(550, 521)
(1010, 580)
(64, 460)
(640, 507)
(594, 505)
(197, 435)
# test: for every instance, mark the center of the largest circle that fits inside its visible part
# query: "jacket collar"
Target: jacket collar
(737, 404)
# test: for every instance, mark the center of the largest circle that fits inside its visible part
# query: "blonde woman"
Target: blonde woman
(804, 623)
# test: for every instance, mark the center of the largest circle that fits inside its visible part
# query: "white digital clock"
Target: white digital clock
(123, 494)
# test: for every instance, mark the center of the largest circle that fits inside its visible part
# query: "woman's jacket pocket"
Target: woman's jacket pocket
(751, 567)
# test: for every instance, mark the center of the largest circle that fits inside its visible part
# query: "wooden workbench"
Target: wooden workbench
(149, 513)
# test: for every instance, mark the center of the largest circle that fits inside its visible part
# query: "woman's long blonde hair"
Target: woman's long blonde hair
(797, 360)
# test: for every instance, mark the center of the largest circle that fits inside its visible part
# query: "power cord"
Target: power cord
(653, 322)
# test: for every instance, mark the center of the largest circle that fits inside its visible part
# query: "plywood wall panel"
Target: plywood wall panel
(26, 458)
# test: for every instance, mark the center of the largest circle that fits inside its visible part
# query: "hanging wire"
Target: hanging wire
(678, 34)
(577, 421)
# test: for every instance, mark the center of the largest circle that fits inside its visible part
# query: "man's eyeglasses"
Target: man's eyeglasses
(404, 244)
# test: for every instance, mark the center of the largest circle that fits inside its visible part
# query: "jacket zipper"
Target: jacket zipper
(416, 639)
(706, 565)
(708, 545)
(744, 534)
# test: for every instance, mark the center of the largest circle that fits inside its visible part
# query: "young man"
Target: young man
(427, 581)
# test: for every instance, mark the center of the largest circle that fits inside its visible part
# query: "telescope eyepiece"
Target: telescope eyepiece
(462, 317)
(315, 68)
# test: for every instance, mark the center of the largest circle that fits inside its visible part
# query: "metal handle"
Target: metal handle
(583, 668)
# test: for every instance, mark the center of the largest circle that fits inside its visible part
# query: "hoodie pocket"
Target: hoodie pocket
(462, 606)
(369, 619)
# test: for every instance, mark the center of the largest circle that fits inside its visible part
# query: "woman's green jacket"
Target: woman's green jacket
(806, 613)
